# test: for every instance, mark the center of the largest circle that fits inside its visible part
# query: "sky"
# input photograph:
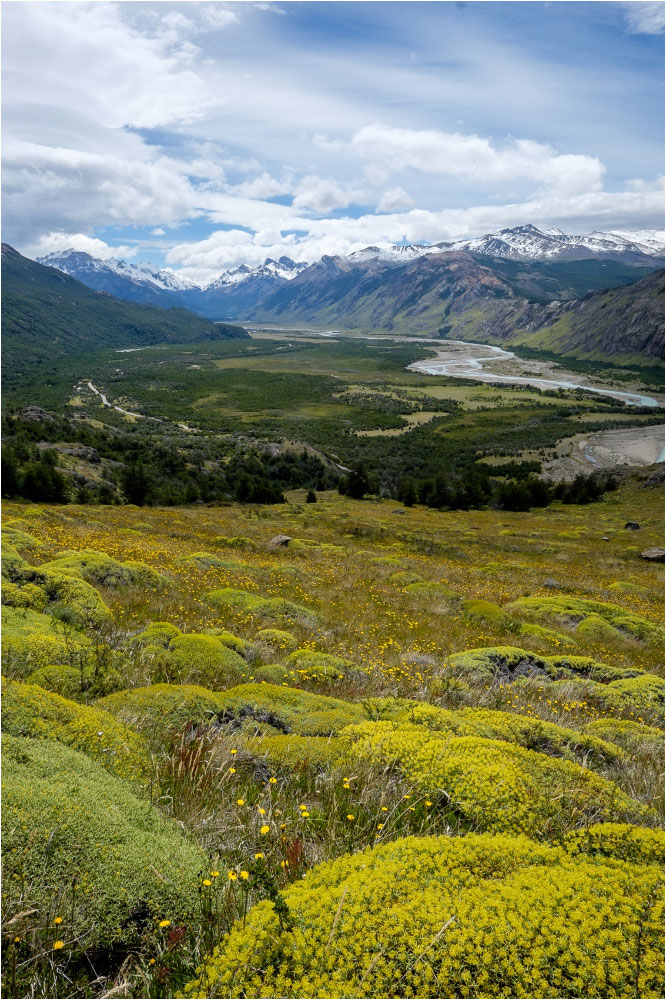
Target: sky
(200, 136)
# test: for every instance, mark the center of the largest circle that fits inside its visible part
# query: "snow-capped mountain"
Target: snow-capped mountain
(529, 243)
(283, 269)
(135, 282)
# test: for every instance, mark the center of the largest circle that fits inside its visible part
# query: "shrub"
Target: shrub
(156, 634)
(303, 712)
(241, 602)
(29, 710)
(161, 710)
(78, 842)
(240, 646)
(449, 917)
(489, 784)
(278, 639)
(295, 753)
(205, 660)
(78, 682)
(619, 841)
(31, 640)
(487, 613)
(103, 571)
(316, 666)
(573, 610)
(631, 736)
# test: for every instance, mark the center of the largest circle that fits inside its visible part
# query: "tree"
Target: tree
(357, 484)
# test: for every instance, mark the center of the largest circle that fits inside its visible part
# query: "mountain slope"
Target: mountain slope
(621, 322)
(47, 314)
(134, 282)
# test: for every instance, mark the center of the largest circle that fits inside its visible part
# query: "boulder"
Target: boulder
(632, 526)
(653, 555)
(280, 541)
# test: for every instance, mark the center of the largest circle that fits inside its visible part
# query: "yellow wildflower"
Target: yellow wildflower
(164, 923)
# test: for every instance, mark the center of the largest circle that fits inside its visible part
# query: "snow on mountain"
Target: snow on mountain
(396, 253)
(529, 243)
(76, 263)
(284, 268)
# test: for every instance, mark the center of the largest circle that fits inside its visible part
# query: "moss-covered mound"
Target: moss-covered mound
(633, 737)
(302, 712)
(291, 752)
(316, 666)
(447, 917)
(272, 608)
(278, 639)
(619, 841)
(490, 784)
(162, 710)
(29, 710)
(509, 663)
(102, 570)
(594, 619)
(79, 843)
(205, 660)
(31, 640)
(64, 596)
(527, 731)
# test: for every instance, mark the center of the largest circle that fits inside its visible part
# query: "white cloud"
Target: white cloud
(157, 232)
(475, 158)
(87, 57)
(217, 15)
(264, 186)
(203, 260)
(322, 195)
(51, 242)
(645, 18)
(395, 200)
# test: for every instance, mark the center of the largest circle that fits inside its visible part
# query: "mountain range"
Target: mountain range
(506, 287)
(47, 314)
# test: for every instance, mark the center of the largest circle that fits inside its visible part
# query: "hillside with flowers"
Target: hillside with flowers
(228, 775)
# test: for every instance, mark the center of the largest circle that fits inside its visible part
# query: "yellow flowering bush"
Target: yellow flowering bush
(307, 714)
(29, 710)
(78, 841)
(478, 916)
(620, 841)
(491, 784)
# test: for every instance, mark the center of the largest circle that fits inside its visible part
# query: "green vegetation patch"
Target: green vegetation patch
(444, 917)
(77, 842)
(577, 612)
(305, 713)
(312, 665)
(242, 602)
(292, 752)
(278, 639)
(204, 659)
(29, 710)
(162, 710)
(102, 570)
(492, 785)
(633, 737)
(619, 841)
(31, 640)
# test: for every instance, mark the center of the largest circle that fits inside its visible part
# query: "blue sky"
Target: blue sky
(203, 135)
